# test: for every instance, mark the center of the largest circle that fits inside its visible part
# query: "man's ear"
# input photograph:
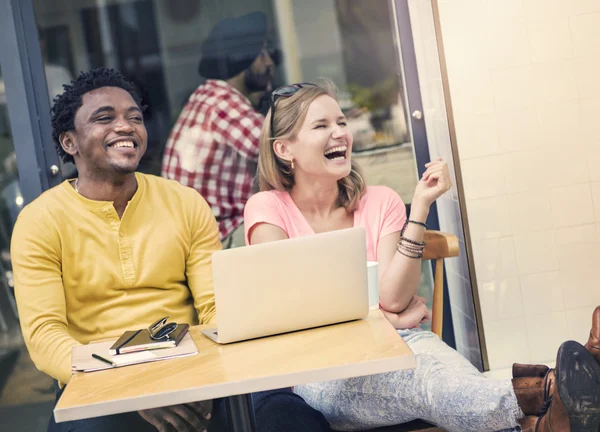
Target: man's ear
(67, 142)
(282, 150)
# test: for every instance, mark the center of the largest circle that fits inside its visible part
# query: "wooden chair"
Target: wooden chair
(439, 245)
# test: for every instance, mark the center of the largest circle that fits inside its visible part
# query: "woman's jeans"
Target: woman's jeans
(444, 389)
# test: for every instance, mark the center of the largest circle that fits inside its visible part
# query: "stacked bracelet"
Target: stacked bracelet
(410, 248)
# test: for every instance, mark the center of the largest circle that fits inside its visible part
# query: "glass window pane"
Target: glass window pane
(158, 44)
(26, 394)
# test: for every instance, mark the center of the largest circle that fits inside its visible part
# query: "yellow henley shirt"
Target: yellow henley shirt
(82, 274)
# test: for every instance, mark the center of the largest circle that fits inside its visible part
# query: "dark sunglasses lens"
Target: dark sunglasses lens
(164, 331)
(286, 90)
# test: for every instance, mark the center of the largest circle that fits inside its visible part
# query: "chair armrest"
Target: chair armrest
(440, 245)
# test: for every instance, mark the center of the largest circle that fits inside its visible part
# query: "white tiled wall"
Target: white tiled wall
(524, 80)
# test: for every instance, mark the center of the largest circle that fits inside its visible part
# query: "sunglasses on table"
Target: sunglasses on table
(285, 91)
(161, 329)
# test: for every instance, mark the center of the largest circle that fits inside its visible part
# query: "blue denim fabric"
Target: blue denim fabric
(275, 411)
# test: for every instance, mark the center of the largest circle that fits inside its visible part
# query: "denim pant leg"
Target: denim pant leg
(126, 422)
(444, 389)
(275, 411)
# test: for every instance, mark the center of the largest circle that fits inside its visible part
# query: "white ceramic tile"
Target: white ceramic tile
(530, 212)
(507, 48)
(489, 217)
(578, 262)
(536, 252)
(595, 188)
(537, 11)
(585, 6)
(549, 40)
(520, 129)
(589, 110)
(555, 81)
(592, 146)
(506, 343)
(505, 12)
(545, 334)
(566, 171)
(572, 205)
(560, 122)
(585, 31)
(541, 293)
(477, 138)
(500, 299)
(464, 53)
(579, 322)
(494, 258)
(587, 70)
(458, 19)
(514, 88)
(471, 92)
(522, 172)
(574, 237)
(483, 177)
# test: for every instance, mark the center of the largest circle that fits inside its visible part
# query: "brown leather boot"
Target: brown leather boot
(530, 392)
(520, 370)
(554, 417)
(593, 345)
(528, 423)
(573, 396)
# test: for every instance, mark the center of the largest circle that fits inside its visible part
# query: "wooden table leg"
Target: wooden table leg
(240, 413)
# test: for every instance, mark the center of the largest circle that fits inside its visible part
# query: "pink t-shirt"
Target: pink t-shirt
(380, 211)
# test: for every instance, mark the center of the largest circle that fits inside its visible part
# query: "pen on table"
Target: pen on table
(110, 362)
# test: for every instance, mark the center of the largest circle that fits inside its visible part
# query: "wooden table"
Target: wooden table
(351, 349)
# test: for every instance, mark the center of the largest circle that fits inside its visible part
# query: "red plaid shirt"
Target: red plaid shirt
(213, 148)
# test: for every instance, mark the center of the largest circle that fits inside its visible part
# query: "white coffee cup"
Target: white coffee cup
(373, 289)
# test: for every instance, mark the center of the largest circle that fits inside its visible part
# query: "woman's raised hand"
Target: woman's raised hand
(433, 184)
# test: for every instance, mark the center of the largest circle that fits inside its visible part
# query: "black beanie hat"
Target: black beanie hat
(232, 46)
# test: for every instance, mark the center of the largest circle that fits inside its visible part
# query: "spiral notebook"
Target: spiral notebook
(82, 360)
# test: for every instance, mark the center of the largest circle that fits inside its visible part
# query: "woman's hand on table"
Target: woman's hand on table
(190, 417)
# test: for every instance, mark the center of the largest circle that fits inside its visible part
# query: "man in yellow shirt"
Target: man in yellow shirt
(113, 249)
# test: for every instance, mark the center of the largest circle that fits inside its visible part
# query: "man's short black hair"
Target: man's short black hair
(66, 104)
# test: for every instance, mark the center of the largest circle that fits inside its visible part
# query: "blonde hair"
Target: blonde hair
(275, 173)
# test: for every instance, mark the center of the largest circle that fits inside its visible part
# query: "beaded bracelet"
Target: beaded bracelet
(413, 242)
(406, 249)
(410, 248)
(418, 256)
(413, 222)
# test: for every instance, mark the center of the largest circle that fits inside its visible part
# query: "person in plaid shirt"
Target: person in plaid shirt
(213, 146)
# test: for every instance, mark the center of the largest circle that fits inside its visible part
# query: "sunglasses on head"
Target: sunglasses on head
(285, 91)
(161, 329)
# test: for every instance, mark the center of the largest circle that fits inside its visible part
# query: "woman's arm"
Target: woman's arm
(416, 313)
(265, 232)
(399, 274)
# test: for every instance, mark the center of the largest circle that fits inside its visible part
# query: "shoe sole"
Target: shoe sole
(578, 381)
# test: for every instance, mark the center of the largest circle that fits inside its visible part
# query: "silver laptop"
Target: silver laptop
(290, 285)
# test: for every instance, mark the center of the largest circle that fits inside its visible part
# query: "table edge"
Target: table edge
(252, 385)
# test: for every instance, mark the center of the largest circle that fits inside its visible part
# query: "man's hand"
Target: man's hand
(192, 417)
